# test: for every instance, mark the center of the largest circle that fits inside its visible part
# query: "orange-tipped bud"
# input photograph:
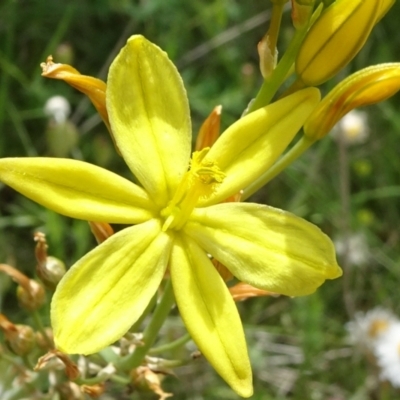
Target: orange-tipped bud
(209, 130)
(94, 88)
(19, 338)
(335, 39)
(101, 230)
(243, 291)
(367, 86)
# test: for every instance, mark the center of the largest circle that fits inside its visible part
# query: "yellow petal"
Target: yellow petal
(265, 247)
(252, 144)
(107, 290)
(149, 116)
(210, 314)
(77, 189)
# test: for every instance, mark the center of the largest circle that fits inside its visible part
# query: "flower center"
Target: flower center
(198, 182)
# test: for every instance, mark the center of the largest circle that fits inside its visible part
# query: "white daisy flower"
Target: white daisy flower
(387, 352)
(353, 128)
(369, 327)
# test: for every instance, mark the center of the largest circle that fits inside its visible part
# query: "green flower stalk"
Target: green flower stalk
(176, 216)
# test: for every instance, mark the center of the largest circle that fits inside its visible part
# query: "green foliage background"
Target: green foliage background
(298, 347)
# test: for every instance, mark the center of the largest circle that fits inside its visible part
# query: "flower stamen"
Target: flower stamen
(198, 182)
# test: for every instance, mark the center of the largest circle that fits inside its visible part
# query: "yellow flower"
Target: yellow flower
(176, 216)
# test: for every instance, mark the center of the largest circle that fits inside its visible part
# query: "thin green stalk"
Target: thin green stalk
(40, 327)
(135, 327)
(175, 363)
(284, 68)
(21, 130)
(295, 152)
(102, 378)
(6, 55)
(170, 346)
(272, 83)
(27, 362)
(275, 25)
(150, 334)
(345, 225)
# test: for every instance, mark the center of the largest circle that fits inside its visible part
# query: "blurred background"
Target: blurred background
(348, 184)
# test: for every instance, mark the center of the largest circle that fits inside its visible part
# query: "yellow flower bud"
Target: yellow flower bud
(368, 86)
(335, 38)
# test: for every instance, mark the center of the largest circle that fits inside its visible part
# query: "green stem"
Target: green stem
(27, 362)
(272, 83)
(175, 363)
(295, 152)
(170, 346)
(150, 334)
(275, 25)
(102, 378)
(136, 326)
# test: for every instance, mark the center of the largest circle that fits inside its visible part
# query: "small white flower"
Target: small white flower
(58, 109)
(354, 247)
(353, 128)
(367, 328)
(387, 351)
